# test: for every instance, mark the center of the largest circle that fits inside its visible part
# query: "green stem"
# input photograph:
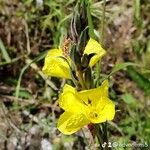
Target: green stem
(99, 134)
(103, 133)
(102, 23)
(90, 23)
(81, 79)
(101, 41)
(98, 70)
(104, 126)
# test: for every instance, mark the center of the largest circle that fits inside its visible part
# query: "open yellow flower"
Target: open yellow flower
(95, 48)
(84, 107)
(55, 66)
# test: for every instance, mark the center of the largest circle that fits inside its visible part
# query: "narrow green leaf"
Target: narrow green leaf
(137, 12)
(13, 60)
(4, 52)
(120, 66)
(41, 56)
(141, 81)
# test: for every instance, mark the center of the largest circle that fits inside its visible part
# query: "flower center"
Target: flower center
(92, 113)
(91, 110)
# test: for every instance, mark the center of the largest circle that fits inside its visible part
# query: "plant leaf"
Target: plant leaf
(128, 98)
(4, 52)
(121, 66)
(141, 81)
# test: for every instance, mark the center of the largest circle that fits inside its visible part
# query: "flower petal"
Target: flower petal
(69, 123)
(95, 94)
(109, 111)
(93, 47)
(105, 110)
(69, 100)
(56, 66)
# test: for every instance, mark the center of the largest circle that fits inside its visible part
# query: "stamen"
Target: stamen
(84, 103)
(95, 114)
(89, 101)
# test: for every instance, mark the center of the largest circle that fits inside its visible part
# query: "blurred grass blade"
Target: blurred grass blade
(41, 56)
(4, 52)
(121, 66)
(12, 61)
(90, 23)
(128, 98)
(19, 80)
(137, 13)
(102, 23)
(141, 81)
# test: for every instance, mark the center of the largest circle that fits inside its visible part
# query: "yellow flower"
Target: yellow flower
(84, 107)
(94, 47)
(58, 67)
(55, 66)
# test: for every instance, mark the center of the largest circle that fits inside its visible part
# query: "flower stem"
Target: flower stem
(102, 23)
(90, 23)
(101, 41)
(104, 126)
(81, 79)
(99, 134)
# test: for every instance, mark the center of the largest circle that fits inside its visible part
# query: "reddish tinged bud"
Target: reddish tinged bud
(91, 128)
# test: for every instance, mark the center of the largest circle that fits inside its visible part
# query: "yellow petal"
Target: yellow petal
(95, 94)
(56, 66)
(109, 111)
(70, 101)
(99, 107)
(95, 48)
(69, 123)
(104, 111)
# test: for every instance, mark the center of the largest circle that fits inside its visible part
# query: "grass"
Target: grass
(29, 98)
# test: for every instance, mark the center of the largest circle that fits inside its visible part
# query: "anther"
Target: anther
(89, 101)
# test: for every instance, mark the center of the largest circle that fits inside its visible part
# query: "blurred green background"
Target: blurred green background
(28, 99)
